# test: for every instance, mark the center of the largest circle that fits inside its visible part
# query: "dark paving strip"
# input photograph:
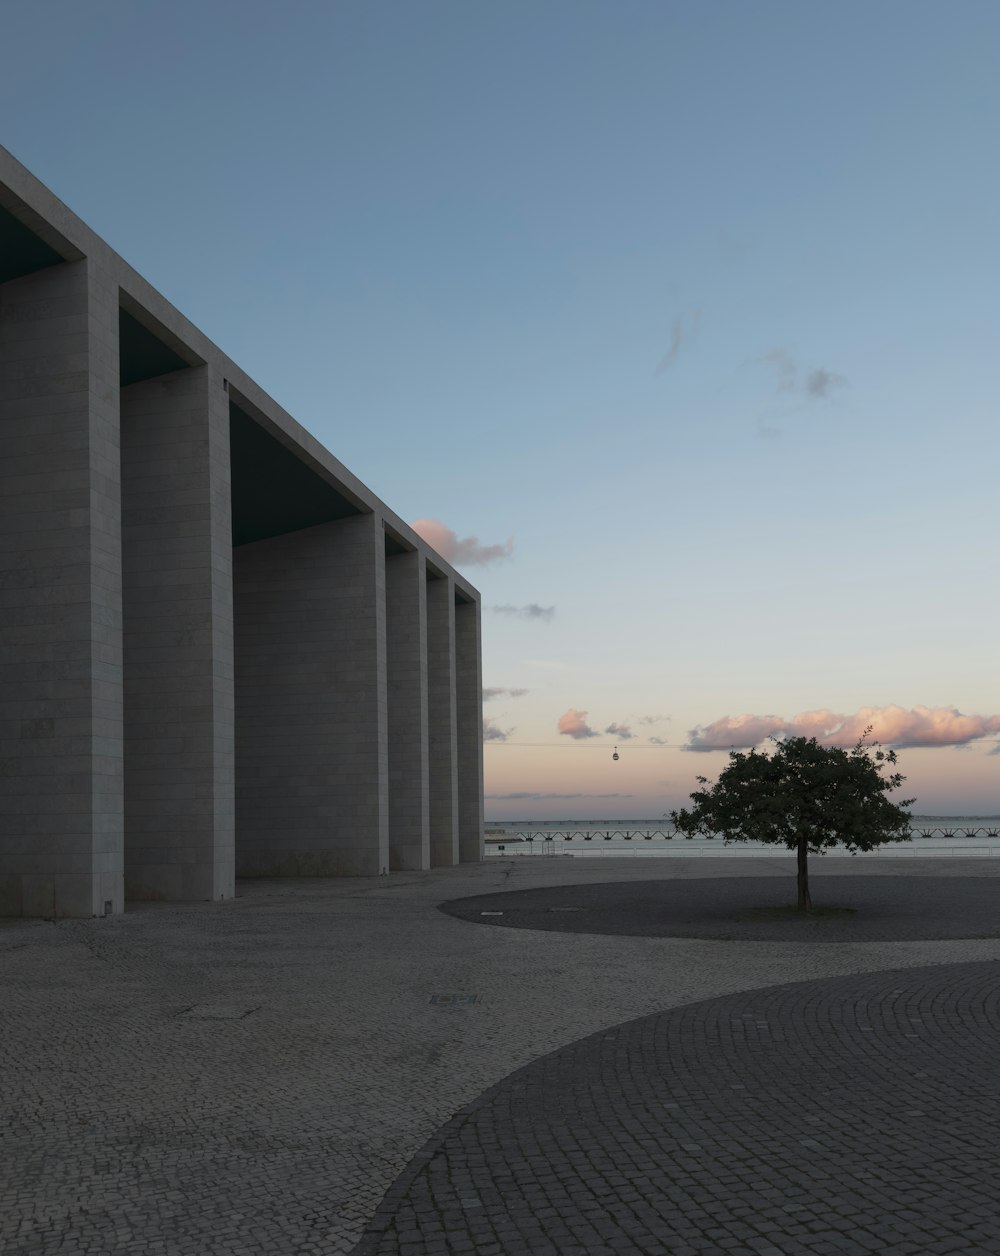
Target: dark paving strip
(886, 908)
(848, 1115)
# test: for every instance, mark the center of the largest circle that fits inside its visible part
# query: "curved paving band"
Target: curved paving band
(222, 654)
(849, 1115)
(192, 1079)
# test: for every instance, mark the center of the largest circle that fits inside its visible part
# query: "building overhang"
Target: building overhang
(283, 478)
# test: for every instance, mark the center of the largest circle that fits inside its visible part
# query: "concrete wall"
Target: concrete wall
(312, 781)
(174, 709)
(469, 715)
(178, 637)
(406, 656)
(60, 600)
(442, 722)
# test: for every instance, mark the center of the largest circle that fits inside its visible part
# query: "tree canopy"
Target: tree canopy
(805, 796)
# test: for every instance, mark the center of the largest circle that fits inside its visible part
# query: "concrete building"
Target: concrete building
(220, 654)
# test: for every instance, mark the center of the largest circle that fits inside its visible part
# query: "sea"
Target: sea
(929, 835)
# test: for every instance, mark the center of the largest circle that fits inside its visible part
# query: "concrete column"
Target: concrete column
(406, 657)
(312, 780)
(60, 595)
(469, 707)
(178, 638)
(442, 722)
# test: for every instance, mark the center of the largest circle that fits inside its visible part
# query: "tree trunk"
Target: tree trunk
(805, 902)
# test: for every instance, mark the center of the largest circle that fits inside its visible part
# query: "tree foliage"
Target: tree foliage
(804, 796)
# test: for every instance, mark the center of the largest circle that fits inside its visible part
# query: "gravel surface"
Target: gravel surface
(252, 1077)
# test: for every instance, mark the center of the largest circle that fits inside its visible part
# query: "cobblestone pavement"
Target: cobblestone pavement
(847, 1115)
(887, 908)
(249, 1078)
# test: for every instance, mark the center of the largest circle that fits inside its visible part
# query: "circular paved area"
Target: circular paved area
(847, 1115)
(887, 908)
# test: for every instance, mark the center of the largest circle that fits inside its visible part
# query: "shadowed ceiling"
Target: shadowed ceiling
(273, 491)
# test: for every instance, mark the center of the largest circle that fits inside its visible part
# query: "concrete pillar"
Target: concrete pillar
(60, 595)
(406, 658)
(442, 733)
(178, 638)
(469, 708)
(312, 781)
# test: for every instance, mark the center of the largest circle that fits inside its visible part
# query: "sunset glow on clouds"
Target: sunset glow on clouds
(891, 725)
(463, 551)
(574, 724)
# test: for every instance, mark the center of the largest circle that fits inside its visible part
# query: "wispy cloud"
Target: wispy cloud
(784, 367)
(501, 692)
(820, 383)
(574, 724)
(658, 741)
(734, 731)
(461, 551)
(621, 731)
(525, 796)
(531, 611)
(892, 725)
(799, 387)
(682, 331)
(651, 719)
(493, 732)
(809, 384)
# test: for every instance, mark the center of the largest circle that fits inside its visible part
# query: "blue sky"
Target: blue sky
(693, 303)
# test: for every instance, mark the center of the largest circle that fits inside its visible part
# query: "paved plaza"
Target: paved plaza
(335, 1066)
(884, 905)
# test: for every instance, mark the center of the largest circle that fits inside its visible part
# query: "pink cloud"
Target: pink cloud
(922, 726)
(461, 551)
(574, 724)
(734, 731)
(891, 725)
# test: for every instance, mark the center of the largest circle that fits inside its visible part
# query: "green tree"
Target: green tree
(804, 796)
